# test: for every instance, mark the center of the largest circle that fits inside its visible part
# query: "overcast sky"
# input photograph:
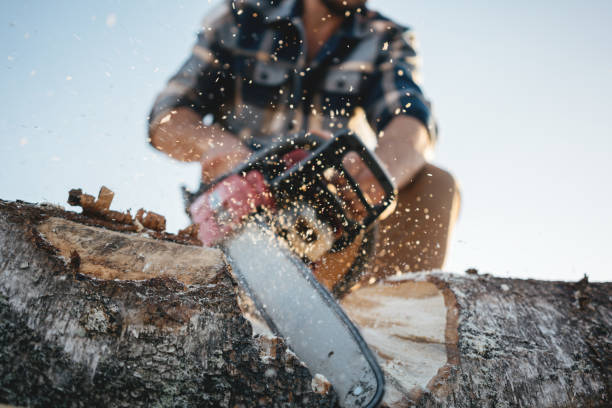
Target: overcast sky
(522, 91)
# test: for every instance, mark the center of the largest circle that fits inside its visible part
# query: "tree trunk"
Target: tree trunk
(100, 310)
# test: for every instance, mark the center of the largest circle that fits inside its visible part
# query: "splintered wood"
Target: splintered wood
(100, 207)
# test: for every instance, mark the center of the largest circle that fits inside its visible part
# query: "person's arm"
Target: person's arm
(200, 87)
(398, 111)
(402, 148)
(181, 135)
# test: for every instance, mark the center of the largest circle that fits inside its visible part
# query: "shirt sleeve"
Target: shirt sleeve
(203, 81)
(395, 89)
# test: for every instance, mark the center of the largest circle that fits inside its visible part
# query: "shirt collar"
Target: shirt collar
(271, 10)
(275, 11)
(286, 10)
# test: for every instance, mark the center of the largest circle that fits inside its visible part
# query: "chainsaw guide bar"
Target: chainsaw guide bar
(299, 309)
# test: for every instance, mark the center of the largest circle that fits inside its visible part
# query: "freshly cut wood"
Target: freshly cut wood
(100, 309)
(405, 325)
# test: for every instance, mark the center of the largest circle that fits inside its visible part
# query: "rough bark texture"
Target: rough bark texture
(91, 316)
(525, 343)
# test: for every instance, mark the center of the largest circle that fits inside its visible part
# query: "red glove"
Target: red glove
(220, 210)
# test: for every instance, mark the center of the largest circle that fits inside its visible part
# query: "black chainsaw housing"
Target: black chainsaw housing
(305, 182)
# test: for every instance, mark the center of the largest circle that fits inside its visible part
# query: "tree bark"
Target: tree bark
(106, 313)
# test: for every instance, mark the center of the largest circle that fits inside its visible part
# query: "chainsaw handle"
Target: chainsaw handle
(305, 179)
(353, 144)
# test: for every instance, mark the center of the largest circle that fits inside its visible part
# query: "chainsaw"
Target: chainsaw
(279, 215)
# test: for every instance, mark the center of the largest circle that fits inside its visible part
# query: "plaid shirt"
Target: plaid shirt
(248, 69)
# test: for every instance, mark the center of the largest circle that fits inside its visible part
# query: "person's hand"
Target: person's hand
(182, 136)
(223, 158)
(362, 175)
(367, 182)
(222, 208)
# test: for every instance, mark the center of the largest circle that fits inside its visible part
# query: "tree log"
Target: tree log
(94, 317)
(96, 312)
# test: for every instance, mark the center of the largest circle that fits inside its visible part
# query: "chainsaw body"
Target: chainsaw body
(295, 185)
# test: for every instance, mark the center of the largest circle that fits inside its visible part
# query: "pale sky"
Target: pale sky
(522, 91)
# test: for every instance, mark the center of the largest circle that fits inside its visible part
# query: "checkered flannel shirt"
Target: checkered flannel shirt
(248, 71)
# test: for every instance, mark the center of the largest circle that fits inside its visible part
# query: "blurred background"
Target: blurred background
(522, 91)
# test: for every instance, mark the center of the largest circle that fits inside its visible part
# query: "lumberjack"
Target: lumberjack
(266, 85)
(261, 70)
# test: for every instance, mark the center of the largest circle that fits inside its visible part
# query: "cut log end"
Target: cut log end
(407, 325)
